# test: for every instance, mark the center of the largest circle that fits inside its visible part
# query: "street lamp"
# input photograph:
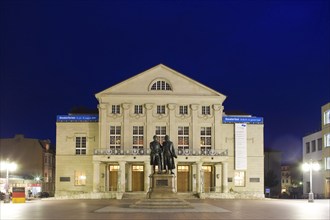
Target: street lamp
(310, 167)
(6, 165)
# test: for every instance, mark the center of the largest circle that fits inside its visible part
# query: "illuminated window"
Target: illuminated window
(137, 168)
(115, 137)
(183, 110)
(239, 179)
(138, 109)
(80, 145)
(207, 169)
(327, 163)
(327, 140)
(183, 168)
(79, 178)
(205, 139)
(313, 146)
(183, 139)
(161, 132)
(327, 117)
(138, 137)
(113, 167)
(115, 109)
(206, 110)
(160, 109)
(161, 85)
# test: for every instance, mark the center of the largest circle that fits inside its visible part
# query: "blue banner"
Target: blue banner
(239, 119)
(77, 118)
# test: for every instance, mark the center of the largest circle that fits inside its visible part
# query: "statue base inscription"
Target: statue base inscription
(162, 186)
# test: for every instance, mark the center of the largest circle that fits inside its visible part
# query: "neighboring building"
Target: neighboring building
(272, 170)
(316, 147)
(35, 164)
(325, 111)
(107, 155)
(291, 180)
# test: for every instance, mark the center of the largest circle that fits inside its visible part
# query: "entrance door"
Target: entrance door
(208, 186)
(113, 177)
(183, 179)
(327, 188)
(137, 178)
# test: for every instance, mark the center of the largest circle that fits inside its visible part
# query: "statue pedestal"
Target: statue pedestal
(161, 186)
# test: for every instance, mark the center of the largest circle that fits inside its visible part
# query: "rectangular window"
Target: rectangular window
(327, 140)
(327, 117)
(115, 138)
(183, 140)
(79, 178)
(138, 109)
(206, 110)
(161, 132)
(115, 109)
(319, 144)
(183, 110)
(313, 146)
(138, 137)
(239, 179)
(327, 163)
(206, 139)
(160, 109)
(80, 145)
(307, 148)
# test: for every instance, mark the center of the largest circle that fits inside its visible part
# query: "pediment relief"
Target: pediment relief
(160, 80)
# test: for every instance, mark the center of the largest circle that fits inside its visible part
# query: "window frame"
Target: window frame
(81, 145)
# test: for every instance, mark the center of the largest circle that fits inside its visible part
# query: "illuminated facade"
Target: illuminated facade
(107, 155)
(316, 147)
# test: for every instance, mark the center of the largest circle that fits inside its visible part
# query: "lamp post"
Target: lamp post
(310, 167)
(6, 165)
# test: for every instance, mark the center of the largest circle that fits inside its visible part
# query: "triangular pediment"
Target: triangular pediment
(141, 84)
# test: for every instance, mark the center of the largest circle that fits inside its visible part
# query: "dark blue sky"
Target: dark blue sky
(270, 58)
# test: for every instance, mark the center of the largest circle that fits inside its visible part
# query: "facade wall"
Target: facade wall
(325, 112)
(115, 163)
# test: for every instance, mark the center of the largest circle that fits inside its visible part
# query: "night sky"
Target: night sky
(270, 58)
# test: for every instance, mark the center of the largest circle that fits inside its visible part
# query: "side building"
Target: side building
(35, 164)
(316, 148)
(108, 156)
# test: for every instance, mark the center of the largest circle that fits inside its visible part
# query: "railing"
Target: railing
(186, 152)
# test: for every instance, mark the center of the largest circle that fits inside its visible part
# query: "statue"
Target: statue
(156, 154)
(168, 155)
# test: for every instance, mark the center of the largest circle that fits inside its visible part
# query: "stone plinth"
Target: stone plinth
(161, 186)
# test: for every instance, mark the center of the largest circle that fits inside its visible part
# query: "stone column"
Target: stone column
(96, 176)
(102, 125)
(147, 173)
(129, 177)
(126, 127)
(194, 179)
(218, 177)
(121, 179)
(172, 125)
(217, 125)
(150, 129)
(195, 132)
(224, 177)
(199, 177)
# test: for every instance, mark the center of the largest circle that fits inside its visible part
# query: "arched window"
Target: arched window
(161, 85)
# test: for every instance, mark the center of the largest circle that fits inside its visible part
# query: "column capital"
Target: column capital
(194, 107)
(171, 106)
(217, 107)
(126, 105)
(149, 106)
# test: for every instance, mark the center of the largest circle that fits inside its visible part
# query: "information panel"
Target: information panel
(240, 146)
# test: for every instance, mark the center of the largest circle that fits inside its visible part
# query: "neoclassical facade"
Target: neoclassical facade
(108, 156)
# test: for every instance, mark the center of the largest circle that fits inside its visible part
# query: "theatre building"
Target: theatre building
(107, 155)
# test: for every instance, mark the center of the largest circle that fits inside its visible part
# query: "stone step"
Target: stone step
(163, 203)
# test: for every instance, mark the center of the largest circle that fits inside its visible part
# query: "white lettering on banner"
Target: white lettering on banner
(241, 146)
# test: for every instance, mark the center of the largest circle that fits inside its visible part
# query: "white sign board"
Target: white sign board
(240, 146)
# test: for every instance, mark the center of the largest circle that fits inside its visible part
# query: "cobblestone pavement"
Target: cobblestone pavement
(201, 209)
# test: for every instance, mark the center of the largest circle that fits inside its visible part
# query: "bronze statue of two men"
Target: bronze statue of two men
(162, 155)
